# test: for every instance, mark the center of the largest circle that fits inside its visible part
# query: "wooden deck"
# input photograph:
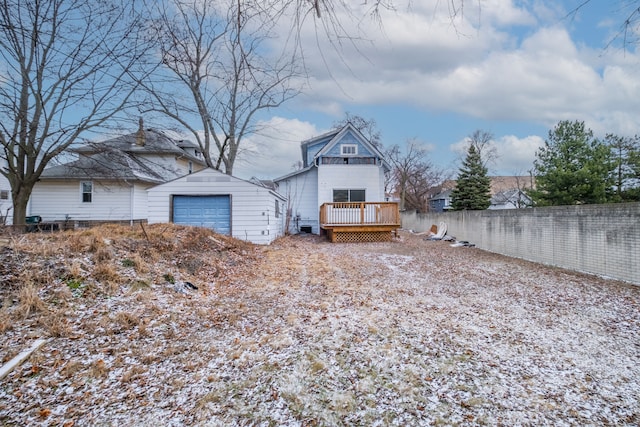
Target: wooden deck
(359, 221)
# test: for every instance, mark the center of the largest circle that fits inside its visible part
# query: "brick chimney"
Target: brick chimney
(140, 138)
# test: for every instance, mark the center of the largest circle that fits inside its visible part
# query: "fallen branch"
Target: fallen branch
(24, 355)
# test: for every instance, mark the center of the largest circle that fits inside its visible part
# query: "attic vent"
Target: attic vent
(140, 138)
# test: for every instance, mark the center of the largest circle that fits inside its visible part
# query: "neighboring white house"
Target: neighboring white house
(109, 180)
(339, 166)
(6, 203)
(511, 199)
(226, 204)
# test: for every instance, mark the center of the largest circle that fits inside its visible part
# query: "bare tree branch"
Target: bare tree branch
(221, 57)
(69, 70)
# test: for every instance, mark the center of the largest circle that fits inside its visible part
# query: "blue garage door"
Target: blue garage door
(204, 211)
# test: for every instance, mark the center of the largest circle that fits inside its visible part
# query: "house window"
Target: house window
(348, 195)
(86, 187)
(348, 149)
(4, 194)
(190, 166)
(277, 209)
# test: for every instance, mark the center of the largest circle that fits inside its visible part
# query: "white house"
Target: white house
(228, 205)
(6, 203)
(514, 198)
(339, 166)
(108, 181)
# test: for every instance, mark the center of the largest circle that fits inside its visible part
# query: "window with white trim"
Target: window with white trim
(86, 188)
(277, 209)
(4, 194)
(348, 149)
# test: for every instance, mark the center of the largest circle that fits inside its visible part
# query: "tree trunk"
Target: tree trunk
(20, 201)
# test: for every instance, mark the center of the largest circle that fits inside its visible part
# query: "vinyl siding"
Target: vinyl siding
(111, 201)
(252, 207)
(350, 139)
(301, 192)
(367, 177)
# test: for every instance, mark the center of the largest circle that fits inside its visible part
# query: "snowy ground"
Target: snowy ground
(305, 333)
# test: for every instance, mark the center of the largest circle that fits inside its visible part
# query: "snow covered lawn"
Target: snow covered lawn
(305, 332)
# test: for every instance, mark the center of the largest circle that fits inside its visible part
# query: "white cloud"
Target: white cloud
(480, 67)
(514, 155)
(273, 151)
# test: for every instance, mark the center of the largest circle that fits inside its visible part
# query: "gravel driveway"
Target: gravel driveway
(410, 332)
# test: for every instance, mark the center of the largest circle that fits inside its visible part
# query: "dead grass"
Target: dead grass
(56, 324)
(126, 320)
(102, 254)
(99, 369)
(132, 374)
(5, 321)
(29, 301)
(106, 272)
(307, 333)
(72, 367)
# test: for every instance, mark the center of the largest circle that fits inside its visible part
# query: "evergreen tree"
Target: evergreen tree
(625, 152)
(473, 188)
(572, 167)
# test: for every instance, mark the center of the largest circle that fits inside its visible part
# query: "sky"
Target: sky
(511, 68)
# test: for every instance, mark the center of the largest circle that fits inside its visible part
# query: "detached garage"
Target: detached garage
(223, 203)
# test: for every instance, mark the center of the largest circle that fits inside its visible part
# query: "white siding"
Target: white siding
(139, 208)
(367, 177)
(111, 201)
(252, 207)
(6, 206)
(301, 192)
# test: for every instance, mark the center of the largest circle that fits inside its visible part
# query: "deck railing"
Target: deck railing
(360, 213)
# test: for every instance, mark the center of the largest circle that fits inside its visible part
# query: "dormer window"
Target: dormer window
(348, 149)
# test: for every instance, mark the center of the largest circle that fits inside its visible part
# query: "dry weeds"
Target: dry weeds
(304, 332)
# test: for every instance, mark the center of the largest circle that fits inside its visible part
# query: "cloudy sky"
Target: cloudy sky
(511, 68)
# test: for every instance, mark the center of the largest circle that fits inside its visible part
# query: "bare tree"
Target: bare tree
(67, 70)
(483, 143)
(628, 29)
(413, 175)
(220, 55)
(367, 127)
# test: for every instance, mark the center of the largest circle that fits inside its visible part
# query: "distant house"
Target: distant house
(208, 198)
(109, 180)
(441, 202)
(511, 199)
(340, 166)
(507, 192)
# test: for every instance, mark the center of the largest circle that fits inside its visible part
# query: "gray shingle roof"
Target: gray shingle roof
(124, 158)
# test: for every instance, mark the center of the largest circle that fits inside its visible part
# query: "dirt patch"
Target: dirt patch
(304, 332)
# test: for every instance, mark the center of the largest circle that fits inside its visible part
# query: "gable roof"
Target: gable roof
(513, 195)
(212, 175)
(330, 139)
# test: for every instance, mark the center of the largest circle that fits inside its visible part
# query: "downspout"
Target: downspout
(131, 201)
(315, 163)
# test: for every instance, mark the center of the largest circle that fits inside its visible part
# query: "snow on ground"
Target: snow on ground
(305, 332)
